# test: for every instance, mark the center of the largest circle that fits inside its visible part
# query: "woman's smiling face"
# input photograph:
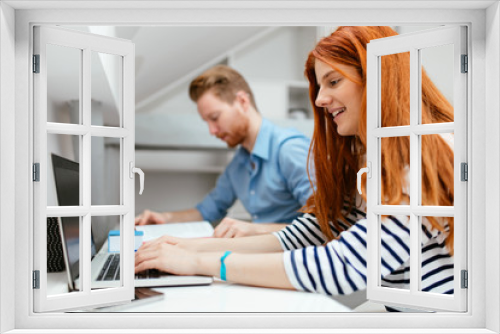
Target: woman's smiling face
(341, 97)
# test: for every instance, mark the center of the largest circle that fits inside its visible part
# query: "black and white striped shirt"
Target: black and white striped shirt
(339, 267)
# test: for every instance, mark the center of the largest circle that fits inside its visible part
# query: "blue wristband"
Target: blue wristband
(223, 266)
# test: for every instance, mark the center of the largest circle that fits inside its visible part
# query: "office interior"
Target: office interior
(180, 159)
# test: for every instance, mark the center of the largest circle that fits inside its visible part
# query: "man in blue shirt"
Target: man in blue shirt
(268, 172)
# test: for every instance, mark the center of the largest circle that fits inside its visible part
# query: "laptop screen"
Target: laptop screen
(67, 180)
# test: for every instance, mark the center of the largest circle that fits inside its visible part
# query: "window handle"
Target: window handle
(368, 171)
(141, 175)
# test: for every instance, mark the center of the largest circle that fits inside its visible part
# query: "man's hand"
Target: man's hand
(233, 228)
(151, 217)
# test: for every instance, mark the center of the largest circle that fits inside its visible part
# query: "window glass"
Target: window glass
(63, 170)
(391, 179)
(439, 168)
(59, 248)
(106, 171)
(395, 252)
(107, 87)
(63, 100)
(389, 65)
(106, 271)
(437, 262)
(437, 65)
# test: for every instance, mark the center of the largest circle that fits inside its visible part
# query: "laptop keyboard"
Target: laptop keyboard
(111, 270)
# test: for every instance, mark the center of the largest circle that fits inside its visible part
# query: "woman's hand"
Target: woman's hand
(166, 254)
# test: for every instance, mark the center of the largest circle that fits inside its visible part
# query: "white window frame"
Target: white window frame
(87, 43)
(412, 44)
(482, 316)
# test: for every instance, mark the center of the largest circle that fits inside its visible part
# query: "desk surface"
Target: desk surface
(224, 297)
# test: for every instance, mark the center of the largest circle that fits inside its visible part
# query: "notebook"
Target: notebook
(105, 267)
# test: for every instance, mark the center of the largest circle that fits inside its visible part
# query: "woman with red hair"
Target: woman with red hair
(325, 251)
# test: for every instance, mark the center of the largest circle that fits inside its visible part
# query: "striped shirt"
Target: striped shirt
(340, 267)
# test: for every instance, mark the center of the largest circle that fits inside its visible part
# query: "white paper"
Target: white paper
(182, 230)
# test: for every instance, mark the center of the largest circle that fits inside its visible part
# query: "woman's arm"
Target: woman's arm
(266, 270)
(234, 228)
(255, 244)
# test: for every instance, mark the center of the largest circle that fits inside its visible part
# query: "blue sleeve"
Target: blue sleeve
(215, 205)
(293, 167)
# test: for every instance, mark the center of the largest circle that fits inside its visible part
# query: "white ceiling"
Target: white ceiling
(164, 55)
(167, 54)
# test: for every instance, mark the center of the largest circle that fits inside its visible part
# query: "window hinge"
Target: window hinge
(36, 172)
(36, 63)
(464, 171)
(465, 279)
(465, 64)
(36, 279)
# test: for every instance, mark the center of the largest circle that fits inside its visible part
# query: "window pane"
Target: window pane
(63, 170)
(106, 171)
(63, 84)
(437, 66)
(437, 169)
(395, 95)
(395, 151)
(395, 252)
(63, 237)
(437, 262)
(107, 88)
(106, 234)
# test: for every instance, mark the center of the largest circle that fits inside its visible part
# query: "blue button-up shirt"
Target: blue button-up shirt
(271, 182)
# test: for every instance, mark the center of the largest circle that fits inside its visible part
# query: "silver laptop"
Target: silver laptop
(105, 266)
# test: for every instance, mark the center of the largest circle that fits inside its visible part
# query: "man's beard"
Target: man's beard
(238, 134)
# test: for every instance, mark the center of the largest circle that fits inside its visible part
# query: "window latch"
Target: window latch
(368, 171)
(138, 171)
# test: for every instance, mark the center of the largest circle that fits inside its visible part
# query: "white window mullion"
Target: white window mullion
(86, 173)
(373, 184)
(80, 130)
(105, 131)
(415, 182)
(80, 211)
(66, 129)
(422, 129)
(128, 158)
(434, 211)
(436, 128)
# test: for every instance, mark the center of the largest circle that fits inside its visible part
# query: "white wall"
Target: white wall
(492, 161)
(7, 167)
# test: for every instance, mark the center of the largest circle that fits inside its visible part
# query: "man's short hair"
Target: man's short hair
(223, 81)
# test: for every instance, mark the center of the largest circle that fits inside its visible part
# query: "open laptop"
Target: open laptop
(105, 266)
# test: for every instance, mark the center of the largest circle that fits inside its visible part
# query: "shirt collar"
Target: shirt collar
(263, 141)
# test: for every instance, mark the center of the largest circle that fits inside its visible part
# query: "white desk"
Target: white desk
(225, 297)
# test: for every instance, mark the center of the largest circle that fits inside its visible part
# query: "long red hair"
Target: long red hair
(337, 158)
